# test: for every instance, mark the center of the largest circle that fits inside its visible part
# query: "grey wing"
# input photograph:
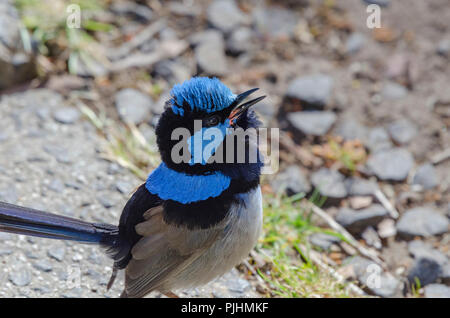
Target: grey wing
(162, 252)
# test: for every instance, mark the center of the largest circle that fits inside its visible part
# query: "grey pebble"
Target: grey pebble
(56, 185)
(354, 43)
(360, 187)
(316, 123)
(391, 164)
(292, 181)
(330, 183)
(225, 15)
(323, 240)
(422, 221)
(106, 201)
(20, 276)
(378, 139)
(210, 57)
(381, 3)
(357, 221)
(393, 91)
(426, 176)
(426, 270)
(402, 131)
(66, 115)
(313, 90)
(123, 187)
(133, 106)
(437, 291)
(57, 252)
(43, 265)
(275, 22)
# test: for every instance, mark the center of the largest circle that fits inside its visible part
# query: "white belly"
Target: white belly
(244, 226)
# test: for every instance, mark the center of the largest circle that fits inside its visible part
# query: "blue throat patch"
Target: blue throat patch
(169, 184)
(201, 93)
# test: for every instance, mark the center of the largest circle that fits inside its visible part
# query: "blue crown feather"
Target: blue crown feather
(201, 93)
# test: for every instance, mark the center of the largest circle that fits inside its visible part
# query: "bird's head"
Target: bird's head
(208, 111)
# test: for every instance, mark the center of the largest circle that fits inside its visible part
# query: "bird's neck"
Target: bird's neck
(186, 188)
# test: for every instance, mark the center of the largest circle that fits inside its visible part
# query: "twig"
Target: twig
(386, 203)
(441, 156)
(166, 50)
(143, 36)
(254, 272)
(317, 259)
(350, 239)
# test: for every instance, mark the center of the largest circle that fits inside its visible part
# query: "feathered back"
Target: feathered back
(201, 94)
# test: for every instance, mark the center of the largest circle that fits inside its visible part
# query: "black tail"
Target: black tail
(20, 220)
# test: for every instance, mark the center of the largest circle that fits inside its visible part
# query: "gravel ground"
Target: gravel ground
(50, 160)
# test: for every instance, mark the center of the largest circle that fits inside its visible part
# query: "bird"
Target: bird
(192, 220)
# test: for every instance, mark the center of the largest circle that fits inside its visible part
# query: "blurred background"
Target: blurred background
(360, 205)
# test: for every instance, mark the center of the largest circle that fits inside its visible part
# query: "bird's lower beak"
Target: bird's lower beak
(239, 109)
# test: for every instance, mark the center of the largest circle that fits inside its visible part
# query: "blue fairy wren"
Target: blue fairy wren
(192, 220)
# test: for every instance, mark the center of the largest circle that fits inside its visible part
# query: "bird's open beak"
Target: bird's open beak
(239, 109)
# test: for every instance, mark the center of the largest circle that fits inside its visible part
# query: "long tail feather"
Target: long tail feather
(21, 220)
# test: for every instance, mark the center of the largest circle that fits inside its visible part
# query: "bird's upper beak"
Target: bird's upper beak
(238, 109)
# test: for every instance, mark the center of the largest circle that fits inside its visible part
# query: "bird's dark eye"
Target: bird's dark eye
(212, 121)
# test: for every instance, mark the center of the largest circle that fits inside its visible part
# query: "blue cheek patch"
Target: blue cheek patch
(204, 143)
(169, 184)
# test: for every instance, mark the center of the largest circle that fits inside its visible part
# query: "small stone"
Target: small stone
(402, 131)
(386, 228)
(57, 253)
(357, 221)
(172, 71)
(5, 251)
(123, 187)
(225, 15)
(358, 203)
(350, 129)
(238, 285)
(393, 91)
(443, 48)
(378, 139)
(210, 57)
(276, 22)
(437, 291)
(427, 271)
(209, 35)
(389, 286)
(133, 106)
(371, 237)
(43, 266)
(130, 8)
(360, 187)
(419, 249)
(20, 277)
(391, 164)
(105, 201)
(354, 43)
(66, 115)
(9, 194)
(330, 183)
(312, 91)
(316, 123)
(266, 112)
(292, 181)
(323, 240)
(56, 185)
(240, 41)
(381, 3)
(422, 221)
(426, 176)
